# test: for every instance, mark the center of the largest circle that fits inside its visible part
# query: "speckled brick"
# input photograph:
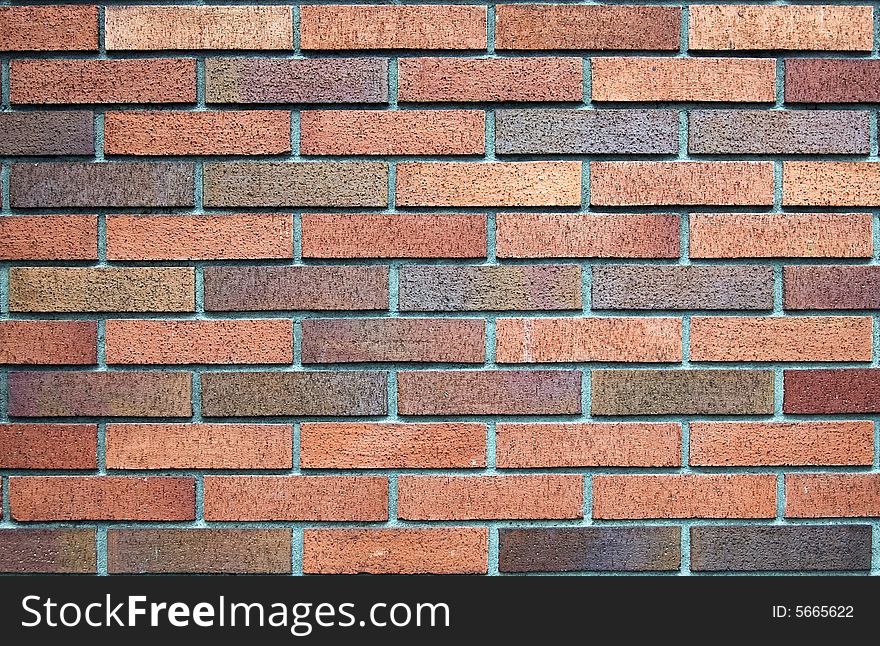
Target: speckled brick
(849, 390)
(661, 287)
(492, 392)
(589, 549)
(250, 288)
(682, 392)
(94, 185)
(47, 133)
(317, 498)
(48, 342)
(779, 132)
(781, 548)
(49, 237)
(358, 445)
(586, 132)
(393, 339)
(477, 288)
(490, 497)
(104, 394)
(61, 28)
(830, 183)
(831, 80)
(48, 446)
(285, 80)
(48, 551)
(349, 393)
(199, 551)
(576, 235)
(832, 495)
(829, 287)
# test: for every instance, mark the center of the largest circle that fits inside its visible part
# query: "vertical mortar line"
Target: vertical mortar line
(587, 89)
(102, 49)
(297, 51)
(872, 133)
(5, 98)
(99, 134)
(101, 547)
(200, 84)
(295, 134)
(297, 238)
(490, 134)
(780, 84)
(296, 549)
(392, 83)
(490, 28)
(683, 34)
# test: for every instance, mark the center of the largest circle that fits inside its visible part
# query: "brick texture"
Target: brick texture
(832, 80)
(49, 237)
(47, 133)
(828, 495)
(48, 551)
(831, 287)
(48, 446)
(43, 29)
(48, 342)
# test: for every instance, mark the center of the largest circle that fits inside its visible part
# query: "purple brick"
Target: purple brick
(832, 80)
(47, 133)
(48, 551)
(824, 287)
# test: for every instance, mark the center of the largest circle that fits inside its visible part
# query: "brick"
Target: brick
(63, 28)
(47, 133)
(181, 27)
(48, 551)
(199, 446)
(830, 184)
(490, 497)
(779, 132)
(780, 235)
(392, 27)
(49, 237)
(243, 132)
(684, 496)
(101, 289)
(251, 288)
(465, 80)
(183, 342)
(142, 80)
(284, 80)
(780, 548)
(93, 185)
(744, 80)
(552, 183)
(829, 287)
(395, 132)
(729, 444)
(411, 550)
(682, 392)
(589, 549)
(48, 446)
(199, 237)
(296, 184)
(582, 235)
(586, 132)
(350, 393)
(199, 551)
(773, 338)
(771, 28)
(852, 390)
(49, 342)
(832, 80)
(316, 498)
(704, 287)
(66, 498)
(661, 183)
(393, 339)
(351, 445)
(547, 26)
(832, 495)
(526, 446)
(104, 394)
(539, 340)
(393, 235)
(493, 392)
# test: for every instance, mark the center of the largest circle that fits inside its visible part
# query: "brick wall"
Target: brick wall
(427, 288)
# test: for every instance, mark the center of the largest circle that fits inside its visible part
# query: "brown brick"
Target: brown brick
(49, 237)
(831, 183)
(831, 80)
(48, 342)
(47, 133)
(852, 390)
(831, 495)
(48, 551)
(48, 446)
(63, 28)
(324, 498)
(831, 287)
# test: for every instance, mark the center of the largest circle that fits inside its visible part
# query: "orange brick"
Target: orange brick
(392, 446)
(253, 132)
(396, 132)
(490, 79)
(684, 79)
(324, 498)
(180, 27)
(393, 235)
(526, 446)
(538, 340)
(48, 446)
(392, 27)
(684, 496)
(780, 27)
(416, 550)
(63, 28)
(199, 446)
(49, 237)
(190, 341)
(489, 184)
(48, 342)
(831, 183)
(832, 495)
(730, 444)
(659, 183)
(774, 338)
(771, 235)
(489, 497)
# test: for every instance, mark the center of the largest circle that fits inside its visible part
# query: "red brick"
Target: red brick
(832, 495)
(48, 342)
(63, 28)
(831, 287)
(49, 237)
(831, 80)
(48, 446)
(851, 390)
(490, 497)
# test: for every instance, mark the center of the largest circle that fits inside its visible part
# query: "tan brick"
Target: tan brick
(831, 183)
